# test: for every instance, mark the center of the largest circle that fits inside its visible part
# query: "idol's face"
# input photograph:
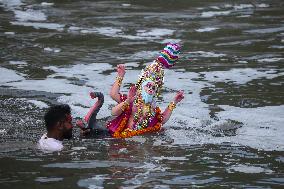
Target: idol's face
(150, 88)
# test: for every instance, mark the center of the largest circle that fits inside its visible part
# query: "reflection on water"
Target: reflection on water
(227, 132)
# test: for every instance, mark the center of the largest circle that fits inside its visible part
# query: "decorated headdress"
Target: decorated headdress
(169, 55)
(155, 71)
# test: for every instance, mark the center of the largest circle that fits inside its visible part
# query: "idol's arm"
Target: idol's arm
(90, 118)
(96, 107)
(114, 91)
(168, 111)
(119, 108)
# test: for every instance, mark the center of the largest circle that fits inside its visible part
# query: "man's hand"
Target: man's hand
(120, 70)
(179, 96)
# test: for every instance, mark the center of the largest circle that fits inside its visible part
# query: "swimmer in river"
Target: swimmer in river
(58, 122)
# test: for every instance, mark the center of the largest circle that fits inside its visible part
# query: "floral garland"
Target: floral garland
(121, 132)
(150, 113)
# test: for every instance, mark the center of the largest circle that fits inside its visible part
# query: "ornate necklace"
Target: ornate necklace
(143, 115)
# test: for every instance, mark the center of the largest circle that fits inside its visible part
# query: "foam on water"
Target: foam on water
(9, 33)
(30, 15)
(240, 76)
(197, 120)
(210, 14)
(262, 126)
(277, 46)
(7, 76)
(171, 41)
(48, 179)
(171, 158)
(263, 5)
(192, 180)
(215, 7)
(24, 15)
(205, 54)
(242, 61)
(144, 55)
(96, 182)
(228, 5)
(126, 5)
(3, 131)
(107, 31)
(18, 62)
(38, 104)
(47, 4)
(10, 4)
(152, 34)
(191, 116)
(248, 9)
(48, 85)
(183, 81)
(91, 74)
(79, 148)
(265, 30)
(91, 164)
(243, 6)
(208, 29)
(48, 49)
(144, 177)
(244, 43)
(131, 65)
(244, 16)
(155, 33)
(40, 25)
(270, 59)
(248, 169)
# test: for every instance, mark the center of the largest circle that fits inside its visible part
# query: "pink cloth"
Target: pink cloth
(113, 124)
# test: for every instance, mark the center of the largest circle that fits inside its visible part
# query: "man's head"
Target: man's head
(58, 121)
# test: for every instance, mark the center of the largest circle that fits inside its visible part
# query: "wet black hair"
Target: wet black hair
(55, 114)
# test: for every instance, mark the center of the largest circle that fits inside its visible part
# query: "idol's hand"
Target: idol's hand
(179, 96)
(131, 94)
(120, 70)
(92, 95)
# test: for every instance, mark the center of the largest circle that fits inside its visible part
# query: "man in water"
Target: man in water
(58, 122)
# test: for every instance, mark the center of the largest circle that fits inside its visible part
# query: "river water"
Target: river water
(227, 132)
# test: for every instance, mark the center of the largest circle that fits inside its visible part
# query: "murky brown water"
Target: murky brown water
(227, 133)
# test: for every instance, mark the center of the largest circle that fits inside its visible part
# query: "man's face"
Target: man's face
(67, 127)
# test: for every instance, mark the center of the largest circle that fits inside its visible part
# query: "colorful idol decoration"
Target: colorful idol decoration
(147, 116)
